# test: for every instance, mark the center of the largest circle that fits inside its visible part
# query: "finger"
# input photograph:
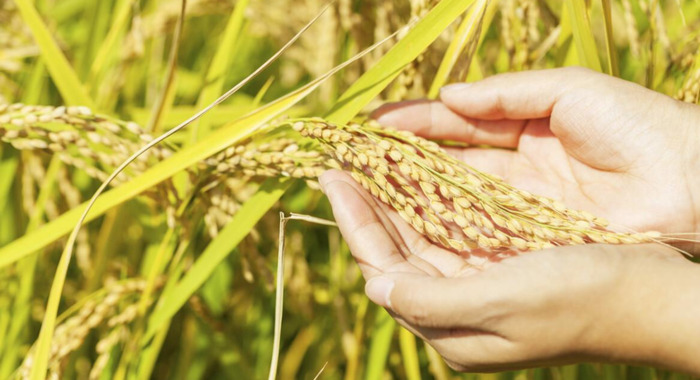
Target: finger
(522, 95)
(415, 247)
(475, 351)
(437, 302)
(434, 120)
(366, 234)
(493, 161)
(464, 349)
(446, 262)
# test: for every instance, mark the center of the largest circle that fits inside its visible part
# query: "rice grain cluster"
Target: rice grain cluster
(451, 203)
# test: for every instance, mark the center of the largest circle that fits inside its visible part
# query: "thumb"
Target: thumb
(435, 302)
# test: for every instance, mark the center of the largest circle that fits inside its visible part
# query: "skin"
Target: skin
(595, 142)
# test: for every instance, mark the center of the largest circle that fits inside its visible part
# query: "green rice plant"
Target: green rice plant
(189, 225)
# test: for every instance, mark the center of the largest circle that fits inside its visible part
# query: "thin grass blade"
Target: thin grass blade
(108, 47)
(167, 92)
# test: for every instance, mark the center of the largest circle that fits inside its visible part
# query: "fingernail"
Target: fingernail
(455, 87)
(386, 119)
(379, 289)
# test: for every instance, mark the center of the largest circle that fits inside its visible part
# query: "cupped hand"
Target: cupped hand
(634, 304)
(594, 142)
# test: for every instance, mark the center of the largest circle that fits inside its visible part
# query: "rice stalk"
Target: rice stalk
(631, 28)
(451, 203)
(106, 308)
(93, 143)
(454, 205)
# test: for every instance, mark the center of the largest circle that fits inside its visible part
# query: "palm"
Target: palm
(382, 242)
(630, 198)
(478, 309)
(595, 150)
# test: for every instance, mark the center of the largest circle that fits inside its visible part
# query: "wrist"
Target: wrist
(692, 169)
(658, 317)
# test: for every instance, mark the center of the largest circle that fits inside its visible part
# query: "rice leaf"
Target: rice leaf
(438, 368)
(62, 73)
(229, 237)
(149, 354)
(21, 310)
(8, 168)
(582, 34)
(167, 93)
(378, 354)
(612, 68)
(372, 82)
(214, 83)
(409, 354)
(297, 351)
(107, 49)
(468, 30)
(566, 56)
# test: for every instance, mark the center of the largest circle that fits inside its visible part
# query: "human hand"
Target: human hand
(595, 142)
(634, 304)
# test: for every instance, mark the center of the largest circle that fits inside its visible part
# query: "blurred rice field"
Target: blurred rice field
(176, 280)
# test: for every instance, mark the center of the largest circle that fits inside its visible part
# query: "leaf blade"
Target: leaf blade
(583, 35)
(371, 83)
(240, 225)
(62, 73)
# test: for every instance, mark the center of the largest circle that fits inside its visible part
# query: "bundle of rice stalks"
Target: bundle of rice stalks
(451, 203)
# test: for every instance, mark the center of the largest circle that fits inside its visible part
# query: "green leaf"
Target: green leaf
(219, 66)
(61, 72)
(583, 36)
(240, 225)
(468, 31)
(389, 67)
(378, 354)
(409, 354)
(212, 144)
(613, 68)
(8, 168)
(26, 268)
(108, 49)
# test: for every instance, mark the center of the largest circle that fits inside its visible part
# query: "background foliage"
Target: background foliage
(127, 308)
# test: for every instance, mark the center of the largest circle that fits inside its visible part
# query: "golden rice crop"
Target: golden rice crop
(193, 244)
(448, 201)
